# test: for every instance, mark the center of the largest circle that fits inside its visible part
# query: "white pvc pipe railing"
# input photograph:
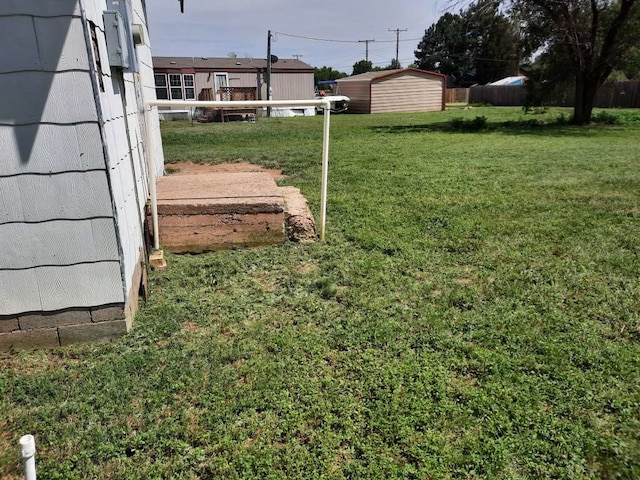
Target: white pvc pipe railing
(28, 450)
(324, 103)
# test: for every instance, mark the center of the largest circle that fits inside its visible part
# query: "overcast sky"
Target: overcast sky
(214, 28)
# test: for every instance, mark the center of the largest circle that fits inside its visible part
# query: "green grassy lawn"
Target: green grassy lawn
(474, 313)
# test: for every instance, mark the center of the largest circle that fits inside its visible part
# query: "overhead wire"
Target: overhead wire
(317, 39)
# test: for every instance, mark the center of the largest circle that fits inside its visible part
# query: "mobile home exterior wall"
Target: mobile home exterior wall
(73, 176)
(291, 79)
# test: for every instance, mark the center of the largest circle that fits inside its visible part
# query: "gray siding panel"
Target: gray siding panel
(56, 148)
(58, 239)
(10, 204)
(61, 44)
(84, 285)
(51, 44)
(56, 288)
(62, 242)
(19, 49)
(127, 167)
(19, 292)
(37, 97)
(43, 8)
(70, 196)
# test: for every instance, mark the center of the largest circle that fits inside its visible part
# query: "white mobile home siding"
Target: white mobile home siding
(122, 120)
(292, 86)
(285, 86)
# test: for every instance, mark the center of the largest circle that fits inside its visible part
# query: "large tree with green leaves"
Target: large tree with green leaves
(495, 41)
(364, 66)
(593, 37)
(445, 49)
(326, 73)
(478, 45)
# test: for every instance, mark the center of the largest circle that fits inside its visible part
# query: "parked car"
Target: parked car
(329, 89)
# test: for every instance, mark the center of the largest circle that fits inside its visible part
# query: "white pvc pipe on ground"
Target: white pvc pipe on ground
(28, 450)
(325, 103)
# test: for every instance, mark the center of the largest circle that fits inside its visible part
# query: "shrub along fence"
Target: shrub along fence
(619, 94)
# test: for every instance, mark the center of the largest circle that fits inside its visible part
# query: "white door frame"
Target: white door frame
(217, 76)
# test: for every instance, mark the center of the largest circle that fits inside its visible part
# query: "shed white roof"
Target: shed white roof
(516, 80)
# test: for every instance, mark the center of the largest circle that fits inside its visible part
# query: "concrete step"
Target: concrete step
(203, 212)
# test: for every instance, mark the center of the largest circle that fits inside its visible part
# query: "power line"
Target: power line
(317, 39)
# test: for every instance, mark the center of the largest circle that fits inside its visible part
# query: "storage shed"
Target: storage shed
(404, 90)
(75, 149)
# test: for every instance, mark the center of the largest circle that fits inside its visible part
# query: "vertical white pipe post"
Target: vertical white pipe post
(325, 167)
(151, 167)
(28, 448)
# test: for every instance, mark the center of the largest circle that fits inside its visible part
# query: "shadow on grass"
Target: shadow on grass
(525, 127)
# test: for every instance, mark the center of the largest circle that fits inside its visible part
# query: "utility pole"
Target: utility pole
(269, 71)
(397, 30)
(366, 42)
(297, 56)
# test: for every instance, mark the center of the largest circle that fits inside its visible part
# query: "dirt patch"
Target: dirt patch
(189, 168)
(301, 226)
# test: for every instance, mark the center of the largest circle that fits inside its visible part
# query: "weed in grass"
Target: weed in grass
(473, 125)
(606, 118)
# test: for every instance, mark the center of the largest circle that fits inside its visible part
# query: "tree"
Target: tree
(631, 63)
(494, 42)
(394, 65)
(548, 79)
(362, 66)
(593, 35)
(477, 45)
(326, 73)
(445, 49)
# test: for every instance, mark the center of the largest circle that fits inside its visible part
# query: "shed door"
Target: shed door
(222, 80)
